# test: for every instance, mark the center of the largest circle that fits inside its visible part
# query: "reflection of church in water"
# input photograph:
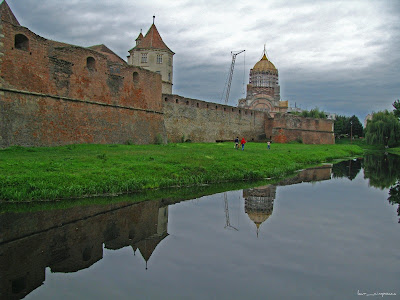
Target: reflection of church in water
(259, 203)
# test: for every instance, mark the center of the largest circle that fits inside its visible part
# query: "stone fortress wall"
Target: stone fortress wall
(201, 121)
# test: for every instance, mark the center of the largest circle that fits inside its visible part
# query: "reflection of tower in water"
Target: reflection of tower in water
(259, 203)
(147, 245)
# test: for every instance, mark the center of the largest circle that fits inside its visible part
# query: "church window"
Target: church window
(21, 42)
(91, 63)
(144, 58)
(159, 58)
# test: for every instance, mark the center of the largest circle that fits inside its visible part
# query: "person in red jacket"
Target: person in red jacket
(242, 143)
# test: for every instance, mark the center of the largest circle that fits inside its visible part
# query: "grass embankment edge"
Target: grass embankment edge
(77, 171)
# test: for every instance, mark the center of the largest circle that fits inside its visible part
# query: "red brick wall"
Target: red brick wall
(64, 101)
(287, 128)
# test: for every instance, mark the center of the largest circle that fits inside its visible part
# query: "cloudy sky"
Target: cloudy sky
(340, 56)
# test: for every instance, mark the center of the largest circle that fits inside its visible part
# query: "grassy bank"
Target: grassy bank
(394, 150)
(89, 170)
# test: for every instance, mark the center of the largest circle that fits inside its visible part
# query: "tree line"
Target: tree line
(347, 126)
(384, 127)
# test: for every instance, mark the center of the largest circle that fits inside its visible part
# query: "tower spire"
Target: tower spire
(265, 56)
(153, 18)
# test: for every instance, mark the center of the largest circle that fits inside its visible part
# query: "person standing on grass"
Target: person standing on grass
(269, 145)
(243, 142)
(237, 143)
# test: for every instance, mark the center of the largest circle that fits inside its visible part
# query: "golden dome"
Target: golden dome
(258, 217)
(264, 65)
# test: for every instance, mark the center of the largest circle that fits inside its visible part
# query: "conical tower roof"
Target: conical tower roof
(7, 15)
(152, 40)
(140, 36)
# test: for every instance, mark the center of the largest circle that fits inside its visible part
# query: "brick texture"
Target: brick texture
(55, 93)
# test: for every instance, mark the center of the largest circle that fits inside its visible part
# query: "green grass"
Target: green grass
(394, 150)
(76, 171)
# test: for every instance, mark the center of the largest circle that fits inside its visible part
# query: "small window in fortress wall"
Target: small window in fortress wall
(135, 77)
(21, 42)
(91, 63)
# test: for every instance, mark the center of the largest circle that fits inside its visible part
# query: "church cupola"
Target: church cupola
(263, 91)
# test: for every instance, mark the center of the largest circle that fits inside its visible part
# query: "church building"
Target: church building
(263, 91)
(151, 53)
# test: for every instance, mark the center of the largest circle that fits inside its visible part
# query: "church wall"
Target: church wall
(288, 128)
(201, 121)
(50, 96)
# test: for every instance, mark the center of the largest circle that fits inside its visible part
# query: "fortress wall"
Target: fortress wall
(40, 120)
(49, 96)
(200, 121)
(287, 128)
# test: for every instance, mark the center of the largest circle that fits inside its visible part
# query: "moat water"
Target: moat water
(328, 233)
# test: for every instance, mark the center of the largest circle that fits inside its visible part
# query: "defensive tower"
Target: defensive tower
(151, 53)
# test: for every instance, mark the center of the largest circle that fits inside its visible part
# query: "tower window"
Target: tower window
(21, 42)
(159, 58)
(144, 58)
(169, 76)
(91, 63)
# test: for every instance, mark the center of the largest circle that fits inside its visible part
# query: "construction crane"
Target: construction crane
(234, 54)
(228, 222)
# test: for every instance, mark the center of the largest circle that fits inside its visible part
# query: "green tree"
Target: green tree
(314, 113)
(354, 126)
(383, 129)
(348, 125)
(339, 125)
(396, 110)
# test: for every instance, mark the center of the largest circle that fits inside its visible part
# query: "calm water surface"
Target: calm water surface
(328, 233)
